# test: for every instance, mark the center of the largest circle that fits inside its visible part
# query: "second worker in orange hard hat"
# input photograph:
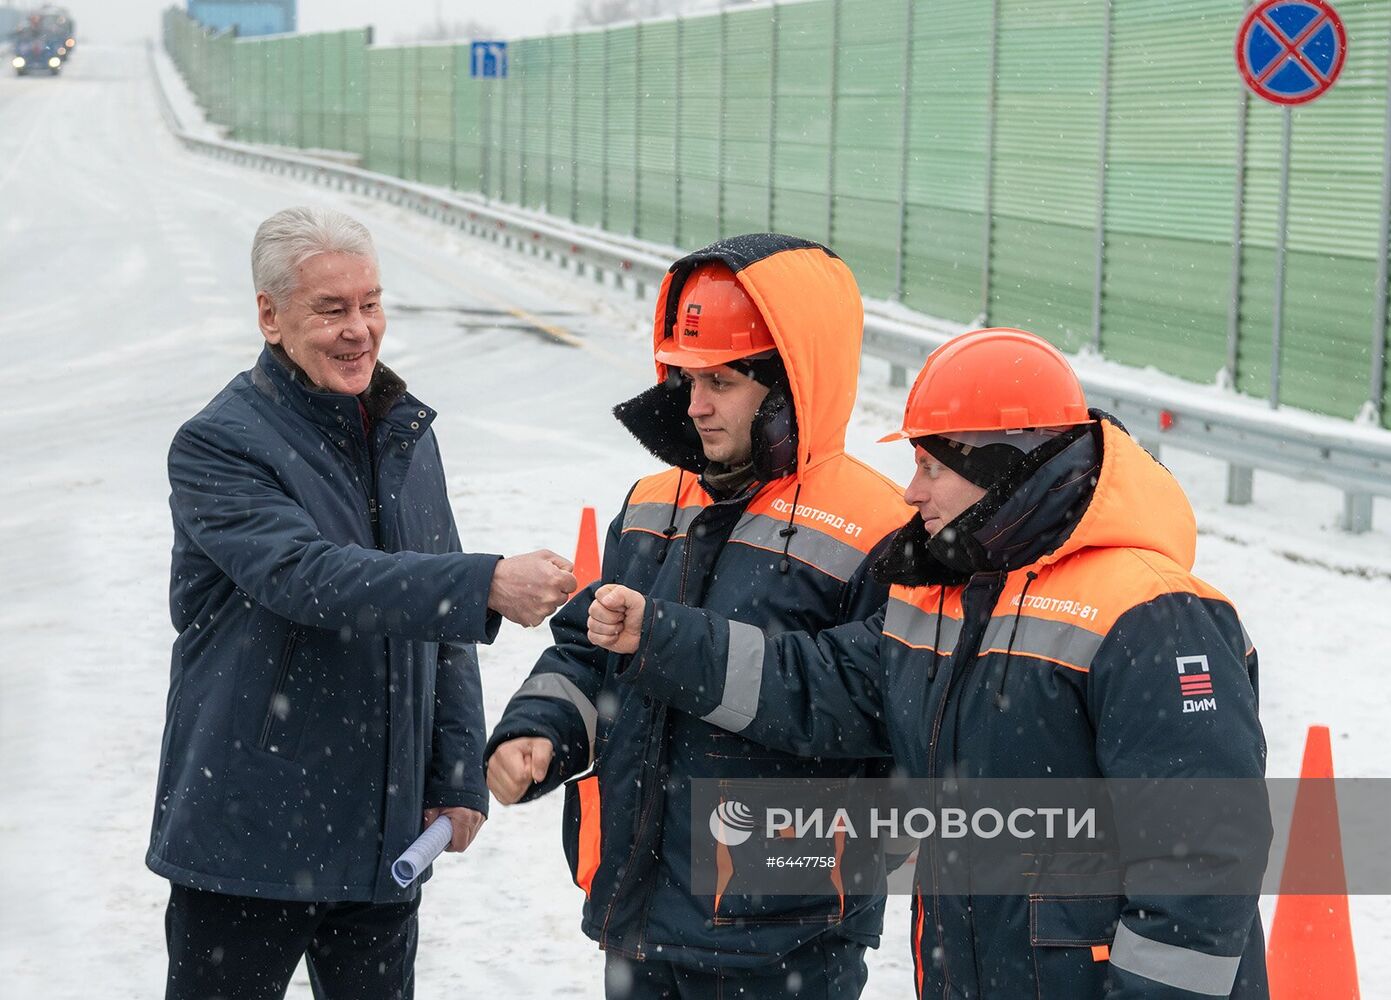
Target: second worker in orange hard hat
(760, 516)
(1044, 624)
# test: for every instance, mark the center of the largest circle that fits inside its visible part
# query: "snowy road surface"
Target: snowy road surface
(127, 304)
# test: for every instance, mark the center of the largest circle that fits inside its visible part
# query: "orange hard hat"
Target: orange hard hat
(993, 380)
(715, 322)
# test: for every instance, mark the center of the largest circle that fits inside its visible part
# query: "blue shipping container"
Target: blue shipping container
(248, 17)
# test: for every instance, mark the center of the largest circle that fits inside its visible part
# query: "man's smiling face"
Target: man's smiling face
(332, 324)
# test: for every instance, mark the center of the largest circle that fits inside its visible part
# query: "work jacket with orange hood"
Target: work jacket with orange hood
(791, 551)
(1054, 630)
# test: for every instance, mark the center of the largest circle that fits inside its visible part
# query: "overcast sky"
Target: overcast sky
(105, 21)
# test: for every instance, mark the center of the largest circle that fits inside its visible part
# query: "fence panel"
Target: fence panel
(748, 87)
(561, 122)
(802, 120)
(701, 89)
(868, 140)
(657, 128)
(435, 98)
(1171, 190)
(385, 111)
(589, 123)
(948, 136)
(1045, 170)
(1334, 226)
(984, 202)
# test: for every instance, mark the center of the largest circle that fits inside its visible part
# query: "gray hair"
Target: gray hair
(291, 236)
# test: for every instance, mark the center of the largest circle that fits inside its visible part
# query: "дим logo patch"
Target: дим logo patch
(1195, 684)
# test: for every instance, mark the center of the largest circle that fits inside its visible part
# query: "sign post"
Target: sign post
(1288, 52)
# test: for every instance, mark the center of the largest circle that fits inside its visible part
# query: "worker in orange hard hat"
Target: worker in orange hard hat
(1043, 623)
(760, 515)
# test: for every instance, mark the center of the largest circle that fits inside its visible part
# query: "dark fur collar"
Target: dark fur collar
(383, 392)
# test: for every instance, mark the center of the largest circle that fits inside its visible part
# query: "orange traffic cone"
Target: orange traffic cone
(1310, 953)
(587, 551)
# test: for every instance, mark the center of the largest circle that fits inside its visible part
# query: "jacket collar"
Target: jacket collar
(386, 399)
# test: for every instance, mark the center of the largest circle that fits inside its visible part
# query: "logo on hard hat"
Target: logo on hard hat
(731, 823)
(692, 322)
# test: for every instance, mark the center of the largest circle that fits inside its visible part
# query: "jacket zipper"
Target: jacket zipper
(374, 508)
(657, 791)
(939, 717)
(282, 674)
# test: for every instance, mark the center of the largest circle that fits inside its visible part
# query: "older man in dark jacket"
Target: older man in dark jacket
(324, 699)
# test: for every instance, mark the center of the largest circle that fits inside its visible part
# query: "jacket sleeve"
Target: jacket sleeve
(816, 696)
(1172, 946)
(560, 700)
(863, 595)
(236, 511)
(455, 776)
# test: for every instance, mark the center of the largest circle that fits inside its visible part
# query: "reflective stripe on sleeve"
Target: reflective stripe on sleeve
(1180, 968)
(561, 688)
(743, 677)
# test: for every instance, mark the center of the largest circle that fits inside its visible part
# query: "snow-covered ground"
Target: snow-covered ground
(127, 303)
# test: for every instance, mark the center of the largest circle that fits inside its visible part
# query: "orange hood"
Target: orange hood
(812, 305)
(1137, 504)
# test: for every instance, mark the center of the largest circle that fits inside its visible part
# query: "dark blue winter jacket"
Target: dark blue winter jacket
(792, 551)
(1059, 633)
(322, 691)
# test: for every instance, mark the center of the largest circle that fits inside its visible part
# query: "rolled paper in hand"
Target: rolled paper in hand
(419, 856)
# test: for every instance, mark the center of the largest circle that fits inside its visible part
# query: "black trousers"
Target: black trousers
(242, 948)
(829, 968)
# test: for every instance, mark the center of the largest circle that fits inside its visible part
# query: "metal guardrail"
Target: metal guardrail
(1244, 433)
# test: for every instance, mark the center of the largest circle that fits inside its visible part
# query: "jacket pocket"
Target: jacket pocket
(581, 831)
(1071, 938)
(289, 702)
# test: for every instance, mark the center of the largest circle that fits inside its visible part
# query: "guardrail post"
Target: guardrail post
(898, 376)
(1357, 513)
(1239, 484)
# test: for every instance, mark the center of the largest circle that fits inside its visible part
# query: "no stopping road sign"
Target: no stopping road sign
(1291, 51)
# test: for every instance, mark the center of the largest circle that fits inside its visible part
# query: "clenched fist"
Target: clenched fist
(615, 619)
(516, 765)
(526, 589)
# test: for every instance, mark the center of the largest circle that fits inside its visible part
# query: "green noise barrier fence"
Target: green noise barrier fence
(1094, 171)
